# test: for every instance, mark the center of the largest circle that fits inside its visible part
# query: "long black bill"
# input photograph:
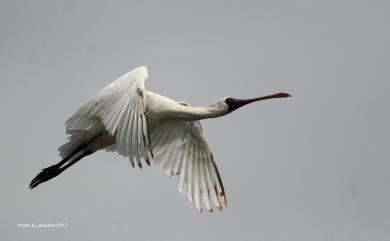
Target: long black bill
(237, 103)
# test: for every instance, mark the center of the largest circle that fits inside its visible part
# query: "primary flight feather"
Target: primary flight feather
(147, 127)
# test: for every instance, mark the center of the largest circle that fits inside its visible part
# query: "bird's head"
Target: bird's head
(234, 104)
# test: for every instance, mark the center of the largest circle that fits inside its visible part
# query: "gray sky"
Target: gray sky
(311, 168)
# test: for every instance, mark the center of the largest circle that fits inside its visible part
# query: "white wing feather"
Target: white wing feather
(180, 148)
(121, 108)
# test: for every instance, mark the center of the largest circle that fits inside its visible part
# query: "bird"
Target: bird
(148, 127)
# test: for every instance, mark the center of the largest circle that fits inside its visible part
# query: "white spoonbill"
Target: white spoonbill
(145, 126)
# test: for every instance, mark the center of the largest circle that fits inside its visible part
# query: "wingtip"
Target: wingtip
(142, 69)
(147, 162)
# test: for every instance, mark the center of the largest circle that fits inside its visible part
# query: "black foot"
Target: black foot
(45, 175)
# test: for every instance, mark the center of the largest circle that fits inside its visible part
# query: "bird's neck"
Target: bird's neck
(198, 113)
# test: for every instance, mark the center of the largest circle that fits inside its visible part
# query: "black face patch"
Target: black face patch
(233, 104)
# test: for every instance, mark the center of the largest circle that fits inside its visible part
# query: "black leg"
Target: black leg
(76, 159)
(54, 170)
(50, 172)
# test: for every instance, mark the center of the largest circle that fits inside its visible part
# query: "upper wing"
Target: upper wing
(121, 108)
(180, 149)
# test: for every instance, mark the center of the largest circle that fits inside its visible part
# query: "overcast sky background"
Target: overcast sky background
(314, 167)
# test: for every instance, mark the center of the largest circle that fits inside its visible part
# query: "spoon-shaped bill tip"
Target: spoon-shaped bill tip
(282, 95)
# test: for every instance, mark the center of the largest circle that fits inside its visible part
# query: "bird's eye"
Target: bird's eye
(228, 100)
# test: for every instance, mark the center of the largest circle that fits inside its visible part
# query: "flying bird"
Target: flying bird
(147, 127)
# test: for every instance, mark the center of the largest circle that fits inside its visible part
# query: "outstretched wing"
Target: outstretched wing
(180, 148)
(121, 108)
